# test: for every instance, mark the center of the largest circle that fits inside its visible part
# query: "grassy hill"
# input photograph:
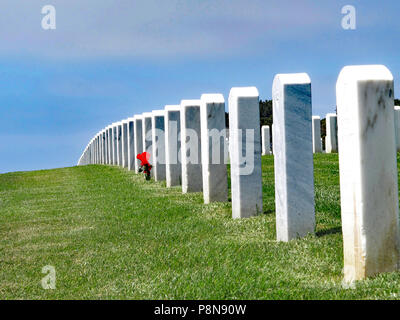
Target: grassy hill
(111, 235)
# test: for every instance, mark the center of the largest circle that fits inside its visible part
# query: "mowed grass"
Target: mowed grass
(111, 235)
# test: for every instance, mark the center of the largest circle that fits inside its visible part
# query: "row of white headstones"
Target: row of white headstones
(367, 158)
(331, 145)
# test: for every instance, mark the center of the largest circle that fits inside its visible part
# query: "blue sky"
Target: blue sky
(110, 59)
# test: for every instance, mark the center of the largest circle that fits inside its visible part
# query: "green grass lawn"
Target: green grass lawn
(111, 235)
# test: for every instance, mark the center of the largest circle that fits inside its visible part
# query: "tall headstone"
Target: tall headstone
(158, 140)
(125, 159)
(192, 180)
(245, 152)
(115, 143)
(106, 144)
(173, 145)
(147, 134)
(397, 126)
(331, 142)
(265, 139)
(293, 152)
(138, 139)
(110, 153)
(119, 143)
(213, 146)
(104, 147)
(316, 134)
(368, 171)
(131, 144)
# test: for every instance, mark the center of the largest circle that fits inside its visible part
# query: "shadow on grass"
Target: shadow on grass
(329, 231)
(269, 211)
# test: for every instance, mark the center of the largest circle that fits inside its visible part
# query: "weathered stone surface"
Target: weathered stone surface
(192, 180)
(131, 144)
(331, 142)
(138, 139)
(265, 140)
(293, 152)
(244, 139)
(173, 167)
(368, 171)
(213, 140)
(273, 139)
(158, 141)
(316, 134)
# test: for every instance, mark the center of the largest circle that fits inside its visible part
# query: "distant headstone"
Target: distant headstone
(245, 152)
(265, 139)
(331, 142)
(293, 151)
(316, 134)
(368, 171)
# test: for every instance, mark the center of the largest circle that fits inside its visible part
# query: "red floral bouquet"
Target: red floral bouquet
(145, 166)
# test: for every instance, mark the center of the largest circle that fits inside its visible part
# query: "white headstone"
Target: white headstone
(172, 145)
(368, 171)
(245, 152)
(293, 162)
(158, 140)
(124, 143)
(110, 152)
(119, 143)
(104, 146)
(265, 139)
(147, 134)
(115, 143)
(192, 180)
(316, 134)
(131, 144)
(331, 144)
(138, 140)
(213, 146)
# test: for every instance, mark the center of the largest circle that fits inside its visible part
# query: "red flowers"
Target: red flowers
(145, 166)
(144, 158)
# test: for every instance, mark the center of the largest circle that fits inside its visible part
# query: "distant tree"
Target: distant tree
(323, 132)
(266, 115)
